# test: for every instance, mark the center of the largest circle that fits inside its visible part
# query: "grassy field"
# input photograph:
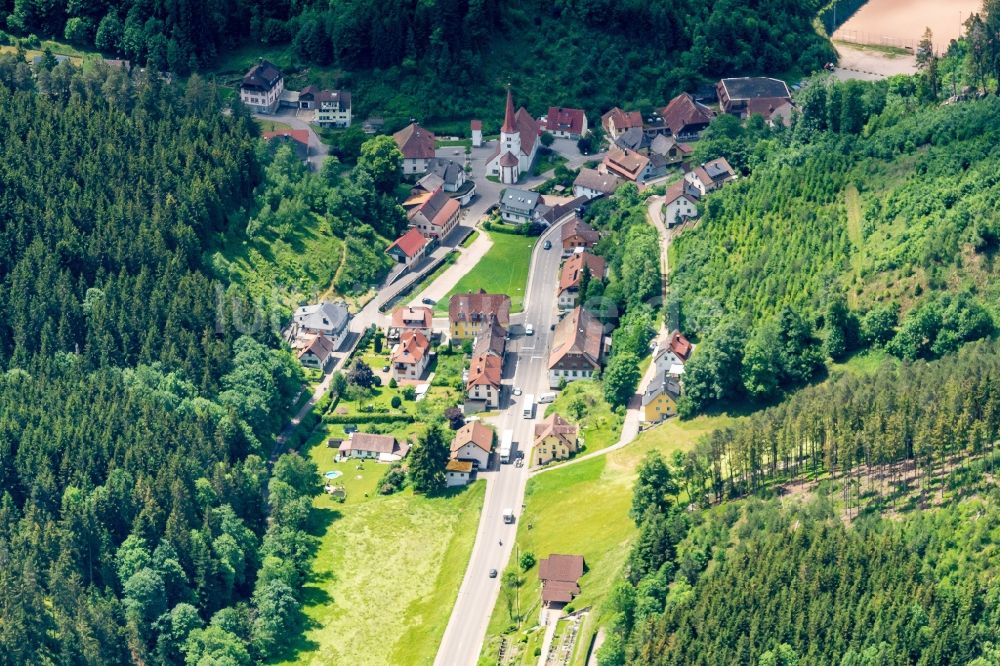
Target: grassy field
(502, 270)
(582, 402)
(388, 568)
(272, 126)
(583, 509)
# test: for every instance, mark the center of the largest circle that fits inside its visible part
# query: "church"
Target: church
(518, 144)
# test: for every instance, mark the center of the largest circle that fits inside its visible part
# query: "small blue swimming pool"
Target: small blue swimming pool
(333, 474)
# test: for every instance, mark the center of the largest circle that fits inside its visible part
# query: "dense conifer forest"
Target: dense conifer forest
(139, 399)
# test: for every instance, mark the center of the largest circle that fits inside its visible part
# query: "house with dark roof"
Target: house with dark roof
(680, 203)
(659, 401)
(617, 121)
(518, 144)
(325, 318)
(666, 150)
(333, 107)
(261, 87)
(577, 236)
(437, 216)
(560, 577)
(591, 183)
(369, 446)
(409, 247)
(736, 95)
(449, 176)
(578, 348)
(633, 139)
(410, 356)
(566, 123)
(473, 442)
(417, 146)
(491, 338)
(685, 117)
(571, 276)
(468, 313)
(710, 176)
(520, 206)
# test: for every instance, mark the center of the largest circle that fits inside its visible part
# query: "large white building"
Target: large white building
(518, 145)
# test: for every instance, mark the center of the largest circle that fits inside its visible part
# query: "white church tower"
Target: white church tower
(510, 145)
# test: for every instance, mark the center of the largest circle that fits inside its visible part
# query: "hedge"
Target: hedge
(368, 418)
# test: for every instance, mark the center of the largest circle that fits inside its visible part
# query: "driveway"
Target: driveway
(318, 151)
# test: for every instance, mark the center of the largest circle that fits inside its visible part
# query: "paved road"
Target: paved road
(466, 629)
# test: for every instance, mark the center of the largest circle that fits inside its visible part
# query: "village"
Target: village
(493, 364)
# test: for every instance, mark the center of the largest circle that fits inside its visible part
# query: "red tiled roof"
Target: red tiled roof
(299, 136)
(577, 228)
(565, 120)
(474, 432)
(572, 270)
(415, 142)
(476, 124)
(560, 576)
(478, 306)
(684, 111)
(412, 347)
(508, 116)
(678, 190)
(485, 369)
(557, 426)
(412, 317)
(579, 335)
(680, 345)
(438, 209)
(411, 243)
(626, 163)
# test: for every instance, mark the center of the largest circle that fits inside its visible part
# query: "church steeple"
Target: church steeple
(508, 118)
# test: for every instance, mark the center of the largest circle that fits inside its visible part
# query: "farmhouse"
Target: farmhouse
(572, 274)
(383, 448)
(417, 146)
(560, 576)
(473, 443)
(578, 348)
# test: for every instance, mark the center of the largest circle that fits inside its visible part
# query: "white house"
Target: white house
(364, 445)
(710, 176)
(591, 183)
(315, 351)
(473, 442)
(519, 206)
(483, 383)
(679, 203)
(458, 473)
(262, 87)
(417, 146)
(410, 356)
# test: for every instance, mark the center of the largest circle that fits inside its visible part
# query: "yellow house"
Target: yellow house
(660, 402)
(555, 439)
(468, 313)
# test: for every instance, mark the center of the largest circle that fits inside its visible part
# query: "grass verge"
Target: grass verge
(502, 270)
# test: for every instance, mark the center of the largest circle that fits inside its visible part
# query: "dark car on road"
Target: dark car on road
(427, 301)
